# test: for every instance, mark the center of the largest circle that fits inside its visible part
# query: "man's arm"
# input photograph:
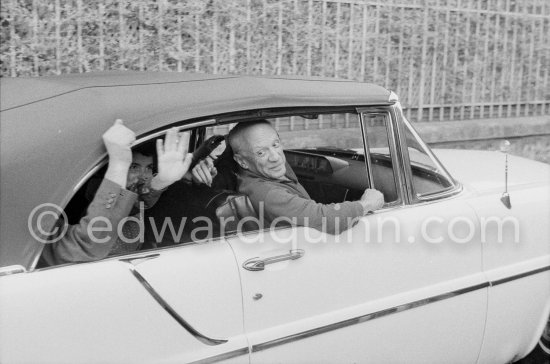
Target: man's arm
(111, 203)
(95, 234)
(330, 218)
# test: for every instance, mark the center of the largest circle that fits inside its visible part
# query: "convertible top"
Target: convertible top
(52, 126)
(17, 92)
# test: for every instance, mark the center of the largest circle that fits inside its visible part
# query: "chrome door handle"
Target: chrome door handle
(256, 264)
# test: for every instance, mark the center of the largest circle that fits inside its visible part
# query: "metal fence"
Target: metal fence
(446, 59)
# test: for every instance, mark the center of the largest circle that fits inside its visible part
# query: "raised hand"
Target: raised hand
(118, 140)
(173, 159)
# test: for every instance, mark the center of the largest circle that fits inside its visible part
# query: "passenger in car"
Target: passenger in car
(266, 178)
(128, 180)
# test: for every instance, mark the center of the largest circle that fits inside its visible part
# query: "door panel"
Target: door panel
(105, 311)
(200, 282)
(348, 292)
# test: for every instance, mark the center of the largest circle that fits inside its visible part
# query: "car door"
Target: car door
(394, 288)
(175, 305)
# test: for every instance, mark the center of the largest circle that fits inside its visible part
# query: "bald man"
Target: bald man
(266, 178)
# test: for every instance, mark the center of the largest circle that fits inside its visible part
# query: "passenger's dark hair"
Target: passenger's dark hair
(239, 129)
(148, 149)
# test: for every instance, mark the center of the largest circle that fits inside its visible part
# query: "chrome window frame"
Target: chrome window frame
(402, 126)
(397, 174)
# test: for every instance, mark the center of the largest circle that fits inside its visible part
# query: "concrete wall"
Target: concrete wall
(529, 136)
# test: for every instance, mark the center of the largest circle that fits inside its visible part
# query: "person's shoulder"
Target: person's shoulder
(259, 187)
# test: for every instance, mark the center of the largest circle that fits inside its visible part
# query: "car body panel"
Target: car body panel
(484, 171)
(310, 299)
(86, 313)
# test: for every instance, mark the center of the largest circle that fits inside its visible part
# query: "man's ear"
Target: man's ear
(240, 161)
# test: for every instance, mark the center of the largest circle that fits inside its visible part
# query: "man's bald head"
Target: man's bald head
(237, 137)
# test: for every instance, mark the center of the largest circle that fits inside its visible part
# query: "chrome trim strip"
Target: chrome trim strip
(399, 135)
(366, 150)
(88, 175)
(451, 191)
(519, 276)
(138, 260)
(397, 172)
(407, 306)
(365, 318)
(202, 338)
(179, 128)
(224, 356)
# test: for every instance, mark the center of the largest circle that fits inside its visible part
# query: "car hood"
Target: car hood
(484, 170)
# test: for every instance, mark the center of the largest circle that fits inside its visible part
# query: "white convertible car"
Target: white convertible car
(454, 268)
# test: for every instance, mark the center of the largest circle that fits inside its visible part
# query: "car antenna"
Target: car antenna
(504, 148)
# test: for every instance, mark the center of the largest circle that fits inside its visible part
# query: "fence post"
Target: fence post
(350, 42)
(232, 52)
(248, 36)
(423, 63)
(530, 94)
(309, 35)
(280, 39)
(473, 96)
(121, 35)
(57, 37)
(323, 25)
(512, 66)
(214, 38)
(364, 42)
(494, 65)
(35, 59)
(502, 71)
(434, 68)
(400, 72)
(337, 41)
(444, 62)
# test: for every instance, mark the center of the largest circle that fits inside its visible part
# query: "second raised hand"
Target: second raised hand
(173, 159)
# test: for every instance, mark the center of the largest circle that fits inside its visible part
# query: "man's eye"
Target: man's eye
(134, 167)
(276, 144)
(260, 153)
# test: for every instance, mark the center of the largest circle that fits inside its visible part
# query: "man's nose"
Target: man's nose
(274, 155)
(145, 175)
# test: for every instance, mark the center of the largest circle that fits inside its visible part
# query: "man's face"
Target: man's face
(140, 172)
(262, 152)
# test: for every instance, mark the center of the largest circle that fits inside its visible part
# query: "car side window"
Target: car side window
(380, 151)
(327, 153)
(428, 177)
